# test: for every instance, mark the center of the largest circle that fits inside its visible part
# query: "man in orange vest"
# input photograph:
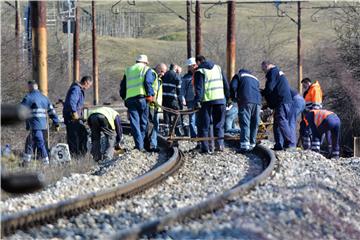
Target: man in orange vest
(317, 123)
(312, 94)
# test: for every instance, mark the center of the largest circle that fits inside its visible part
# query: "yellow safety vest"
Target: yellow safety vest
(135, 77)
(109, 113)
(213, 86)
(158, 90)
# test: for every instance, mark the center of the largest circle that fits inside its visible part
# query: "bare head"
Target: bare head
(306, 82)
(200, 59)
(86, 82)
(266, 66)
(32, 85)
(161, 69)
(178, 69)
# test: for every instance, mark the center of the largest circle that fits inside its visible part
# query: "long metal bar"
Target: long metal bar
(231, 41)
(76, 61)
(198, 40)
(39, 40)
(299, 49)
(188, 27)
(356, 146)
(95, 66)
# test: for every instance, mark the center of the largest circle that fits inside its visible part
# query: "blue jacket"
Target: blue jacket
(171, 89)
(245, 88)
(199, 85)
(277, 89)
(187, 88)
(39, 105)
(74, 102)
(149, 79)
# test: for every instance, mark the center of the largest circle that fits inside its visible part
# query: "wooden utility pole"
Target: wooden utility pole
(17, 34)
(299, 49)
(188, 28)
(76, 62)
(39, 39)
(95, 66)
(198, 40)
(17, 23)
(231, 40)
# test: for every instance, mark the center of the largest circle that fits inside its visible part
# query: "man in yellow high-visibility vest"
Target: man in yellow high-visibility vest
(154, 108)
(107, 121)
(136, 90)
(211, 95)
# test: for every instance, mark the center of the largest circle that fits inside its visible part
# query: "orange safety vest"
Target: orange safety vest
(314, 96)
(320, 116)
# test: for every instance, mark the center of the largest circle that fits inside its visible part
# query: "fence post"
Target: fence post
(356, 146)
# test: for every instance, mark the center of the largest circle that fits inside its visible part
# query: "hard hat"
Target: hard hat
(142, 58)
(190, 61)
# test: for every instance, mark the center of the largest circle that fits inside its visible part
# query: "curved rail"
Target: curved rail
(76, 205)
(209, 205)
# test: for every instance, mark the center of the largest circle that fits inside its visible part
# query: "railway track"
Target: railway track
(206, 206)
(74, 206)
(95, 200)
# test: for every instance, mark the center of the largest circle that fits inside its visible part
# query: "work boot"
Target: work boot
(26, 159)
(219, 148)
(45, 161)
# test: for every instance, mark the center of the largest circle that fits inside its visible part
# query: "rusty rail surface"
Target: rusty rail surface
(73, 206)
(207, 206)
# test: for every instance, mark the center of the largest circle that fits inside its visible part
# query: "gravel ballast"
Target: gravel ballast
(200, 177)
(127, 167)
(310, 197)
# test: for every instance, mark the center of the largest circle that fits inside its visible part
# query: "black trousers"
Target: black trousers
(76, 136)
(99, 124)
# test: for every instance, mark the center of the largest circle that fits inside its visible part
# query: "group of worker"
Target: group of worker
(204, 89)
(101, 120)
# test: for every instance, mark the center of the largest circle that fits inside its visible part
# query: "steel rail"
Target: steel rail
(73, 206)
(206, 206)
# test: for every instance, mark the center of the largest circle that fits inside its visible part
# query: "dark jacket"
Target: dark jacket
(39, 106)
(74, 102)
(149, 79)
(199, 85)
(171, 89)
(187, 88)
(245, 88)
(277, 89)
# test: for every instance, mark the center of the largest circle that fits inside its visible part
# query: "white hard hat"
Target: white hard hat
(190, 61)
(142, 58)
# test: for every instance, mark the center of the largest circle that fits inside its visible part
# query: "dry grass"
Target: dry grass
(259, 36)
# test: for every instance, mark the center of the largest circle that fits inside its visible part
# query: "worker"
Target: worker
(278, 97)
(231, 116)
(319, 122)
(211, 95)
(172, 97)
(107, 121)
(312, 94)
(39, 105)
(297, 107)
(155, 107)
(313, 99)
(245, 89)
(188, 95)
(136, 90)
(76, 133)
